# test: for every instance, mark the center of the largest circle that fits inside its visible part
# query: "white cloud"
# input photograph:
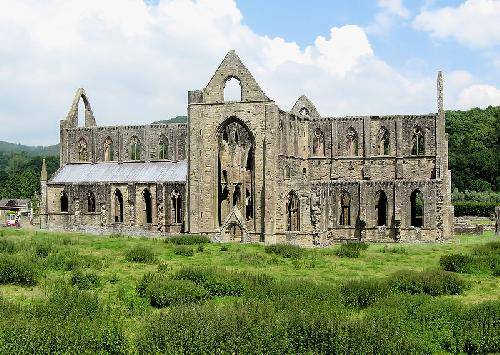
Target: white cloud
(475, 23)
(479, 96)
(136, 63)
(390, 12)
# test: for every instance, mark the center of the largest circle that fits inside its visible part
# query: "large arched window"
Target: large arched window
(118, 212)
(83, 154)
(90, 202)
(176, 199)
(108, 149)
(417, 209)
(352, 144)
(135, 148)
(418, 146)
(293, 212)
(345, 209)
(64, 202)
(383, 142)
(287, 172)
(163, 147)
(381, 208)
(318, 143)
(232, 89)
(148, 206)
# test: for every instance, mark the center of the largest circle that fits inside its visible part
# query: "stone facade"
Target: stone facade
(256, 173)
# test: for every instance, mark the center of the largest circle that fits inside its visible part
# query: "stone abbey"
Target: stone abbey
(247, 171)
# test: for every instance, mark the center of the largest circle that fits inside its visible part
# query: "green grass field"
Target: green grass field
(62, 259)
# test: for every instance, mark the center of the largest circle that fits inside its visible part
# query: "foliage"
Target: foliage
(430, 282)
(474, 196)
(396, 249)
(183, 250)
(216, 281)
(484, 258)
(363, 293)
(141, 254)
(188, 239)
(285, 250)
(85, 280)
(17, 270)
(351, 250)
(471, 208)
(474, 148)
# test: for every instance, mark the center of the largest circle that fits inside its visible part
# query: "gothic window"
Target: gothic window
(418, 147)
(91, 202)
(176, 198)
(417, 208)
(345, 209)
(381, 208)
(287, 172)
(352, 142)
(232, 89)
(163, 147)
(64, 202)
(118, 212)
(135, 149)
(304, 112)
(148, 203)
(293, 212)
(108, 149)
(82, 150)
(318, 143)
(383, 141)
(248, 205)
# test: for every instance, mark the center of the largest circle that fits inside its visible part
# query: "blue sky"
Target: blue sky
(137, 59)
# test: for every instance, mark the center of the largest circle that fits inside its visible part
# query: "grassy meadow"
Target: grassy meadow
(69, 292)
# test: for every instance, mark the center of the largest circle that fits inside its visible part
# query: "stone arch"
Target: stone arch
(72, 116)
(287, 172)
(148, 206)
(383, 141)
(64, 202)
(318, 148)
(83, 153)
(232, 89)
(135, 148)
(118, 210)
(293, 212)
(352, 142)
(345, 209)
(90, 202)
(176, 204)
(108, 149)
(418, 142)
(236, 169)
(381, 208)
(163, 147)
(417, 209)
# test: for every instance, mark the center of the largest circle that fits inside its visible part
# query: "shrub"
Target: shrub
(351, 250)
(42, 249)
(164, 293)
(394, 249)
(69, 260)
(224, 247)
(285, 250)
(457, 263)
(472, 208)
(200, 248)
(431, 282)
(183, 250)
(7, 246)
(16, 270)
(363, 293)
(140, 254)
(85, 281)
(188, 239)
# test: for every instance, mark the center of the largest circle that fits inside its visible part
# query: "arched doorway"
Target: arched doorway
(118, 212)
(148, 203)
(381, 208)
(417, 209)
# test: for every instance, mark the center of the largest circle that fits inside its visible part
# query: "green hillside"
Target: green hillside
(6, 147)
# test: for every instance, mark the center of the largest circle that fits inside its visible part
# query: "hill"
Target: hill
(6, 147)
(176, 119)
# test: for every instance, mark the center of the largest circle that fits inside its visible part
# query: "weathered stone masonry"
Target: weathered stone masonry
(248, 171)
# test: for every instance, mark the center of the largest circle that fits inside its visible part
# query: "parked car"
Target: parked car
(13, 220)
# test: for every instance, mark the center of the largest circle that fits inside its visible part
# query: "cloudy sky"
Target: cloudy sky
(137, 59)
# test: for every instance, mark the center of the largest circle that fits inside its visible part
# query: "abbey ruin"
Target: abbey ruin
(248, 171)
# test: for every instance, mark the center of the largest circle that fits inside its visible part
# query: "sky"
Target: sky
(137, 59)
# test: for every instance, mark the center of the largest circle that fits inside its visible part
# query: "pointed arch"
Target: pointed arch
(345, 209)
(64, 202)
(417, 208)
(383, 141)
(135, 148)
(287, 172)
(90, 202)
(148, 203)
(232, 89)
(108, 149)
(83, 154)
(352, 143)
(118, 210)
(318, 148)
(293, 212)
(418, 142)
(381, 208)
(72, 116)
(163, 147)
(176, 204)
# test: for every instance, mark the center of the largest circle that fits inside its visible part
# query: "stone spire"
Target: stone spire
(440, 89)
(43, 175)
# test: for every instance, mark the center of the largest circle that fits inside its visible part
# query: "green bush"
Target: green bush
(285, 250)
(216, 282)
(17, 270)
(141, 254)
(394, 249)
(472, 208)
(69, 260)
(351, 250)
(188, 239)
(457, 263)
(183, 250)
(224, 247)
(431, 282)
(484, 258)
(8, 246)
(363, 293)
(85, 280)
(42, 249)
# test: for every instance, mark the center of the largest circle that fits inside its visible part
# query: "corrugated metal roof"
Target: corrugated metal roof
(124, 172)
